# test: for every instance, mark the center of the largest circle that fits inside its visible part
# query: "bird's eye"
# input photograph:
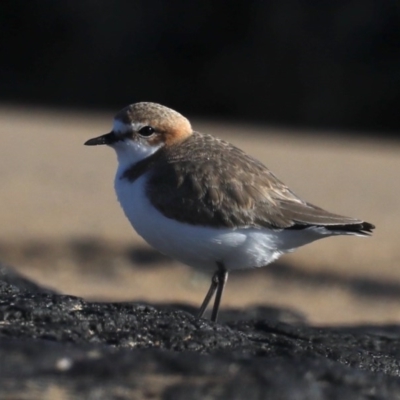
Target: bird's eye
(146, 131)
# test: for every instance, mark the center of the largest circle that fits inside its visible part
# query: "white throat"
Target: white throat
(130, 151)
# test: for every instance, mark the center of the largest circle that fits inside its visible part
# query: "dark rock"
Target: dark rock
(78, 349)
(17, 282)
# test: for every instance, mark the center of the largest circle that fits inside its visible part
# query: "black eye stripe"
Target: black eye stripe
(146, 130)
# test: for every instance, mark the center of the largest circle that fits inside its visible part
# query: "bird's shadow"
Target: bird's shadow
(93, 251)
(357, 285)
(287, 273)
(146, 257)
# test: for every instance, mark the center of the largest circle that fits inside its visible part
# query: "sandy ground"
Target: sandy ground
(62, 226)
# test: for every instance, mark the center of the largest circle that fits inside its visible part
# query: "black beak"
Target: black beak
(108, 138)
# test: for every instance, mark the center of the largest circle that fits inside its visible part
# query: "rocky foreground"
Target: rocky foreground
(54, 346)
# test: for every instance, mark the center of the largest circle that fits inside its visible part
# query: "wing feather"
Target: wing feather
(206, 181)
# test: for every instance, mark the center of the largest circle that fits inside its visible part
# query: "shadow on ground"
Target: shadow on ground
(98, 255)
(358, 286)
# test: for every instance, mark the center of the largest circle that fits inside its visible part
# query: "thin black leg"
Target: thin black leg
(209, 295)
(222, 275)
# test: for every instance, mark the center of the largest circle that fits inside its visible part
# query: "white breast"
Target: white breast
(203, 247)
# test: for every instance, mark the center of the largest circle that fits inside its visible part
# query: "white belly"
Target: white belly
(203, 247)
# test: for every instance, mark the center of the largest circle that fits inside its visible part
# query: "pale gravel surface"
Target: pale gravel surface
(55, 190)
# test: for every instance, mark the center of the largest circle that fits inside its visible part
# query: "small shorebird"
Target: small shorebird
(205, 202)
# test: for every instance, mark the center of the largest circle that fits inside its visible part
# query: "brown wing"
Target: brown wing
(206, 181)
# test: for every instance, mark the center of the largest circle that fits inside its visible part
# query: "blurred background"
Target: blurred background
(329, 63)
(310, 88)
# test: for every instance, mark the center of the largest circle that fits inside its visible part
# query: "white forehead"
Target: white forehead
(122, 127)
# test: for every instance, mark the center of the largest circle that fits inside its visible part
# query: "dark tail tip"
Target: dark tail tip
(363, 228)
